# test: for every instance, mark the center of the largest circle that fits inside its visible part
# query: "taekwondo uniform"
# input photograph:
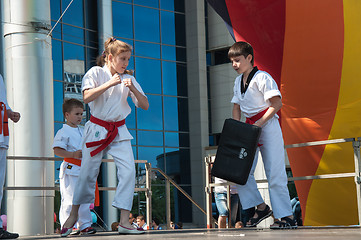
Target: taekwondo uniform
(4, 138)
(106, 132)
(253, 101)
(69, 139)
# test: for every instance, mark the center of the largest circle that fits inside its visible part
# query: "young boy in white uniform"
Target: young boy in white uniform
(106, 90)
(5, 113)
(256, 95)
(67, 144)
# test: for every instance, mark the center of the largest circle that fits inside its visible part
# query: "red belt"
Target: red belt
(255, 118)
(78, 163)
(112, 128)
(4, 122)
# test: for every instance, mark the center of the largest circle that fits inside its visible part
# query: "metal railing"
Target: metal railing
(147, 189)
(356, 143)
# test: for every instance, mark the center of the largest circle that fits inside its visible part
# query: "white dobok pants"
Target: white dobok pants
(124, 160)
(67, 188)
(273, 157)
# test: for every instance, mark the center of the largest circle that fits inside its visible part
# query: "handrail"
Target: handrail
(182, 191)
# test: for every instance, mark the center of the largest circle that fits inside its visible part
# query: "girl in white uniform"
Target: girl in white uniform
(67, 144)
(106, 90)
(5, 113)
(256, 95)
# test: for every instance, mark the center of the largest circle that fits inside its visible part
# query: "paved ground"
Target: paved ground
(333, 233)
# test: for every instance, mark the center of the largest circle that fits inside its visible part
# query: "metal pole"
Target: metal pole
(208, 190)
(148, 194)
(356, 150)
(167, 199)
(229, 206)
(29, 80)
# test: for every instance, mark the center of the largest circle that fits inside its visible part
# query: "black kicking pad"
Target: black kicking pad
(236, 151)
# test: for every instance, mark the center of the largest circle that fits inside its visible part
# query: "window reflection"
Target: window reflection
(180, 29)
(56, 33)
(130, 120)
(151, 154)
(169, 70)
(58, 101)
(149, 3)
(169, 53)
(147, 49)
(150, 138)
(168, 27)
(147, 73)
(57, 60)
(167, 4)
(73, 34)
(122, 20)
(74, 15)
(146, 30)
(171, 114)
(171, 139)
(55, 9)
(134, 140)
(152, 118)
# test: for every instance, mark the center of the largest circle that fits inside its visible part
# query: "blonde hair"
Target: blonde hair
(114, 47)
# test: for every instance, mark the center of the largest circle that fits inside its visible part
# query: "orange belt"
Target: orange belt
(4, 122)
(112, 128)
(78, 163)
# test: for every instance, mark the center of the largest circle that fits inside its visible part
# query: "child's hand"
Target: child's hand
(128, 83)
(14, 116)
(115, 80)
(77, 154)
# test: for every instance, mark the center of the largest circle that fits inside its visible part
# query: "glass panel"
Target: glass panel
(73, 70)
(73, 34)
(122, 20)
(181, 54)
(147, 72)
(55, 9)
(147, 49)
(182, 80)
(150, 138)
(152, 118)
(130, 120)
(169, 70)
(58, 102)
(167, 4)
(183, 118)
(151, 154)
(168, 53)
(171, 114)
(134, 140)
(180, 29)
(168, 27)
(171, 139)
(183, 139)
(179, 5)
(57, 60)
(74, 15)
(56, 33)
(149, 3)
(146, 30)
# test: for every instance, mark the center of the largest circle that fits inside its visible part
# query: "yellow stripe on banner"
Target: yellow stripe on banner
(333, 202)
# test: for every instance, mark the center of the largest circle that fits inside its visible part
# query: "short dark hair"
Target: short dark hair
(241, 49)
(156, 220)
(71, 103)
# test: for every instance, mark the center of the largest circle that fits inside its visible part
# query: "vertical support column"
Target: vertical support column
(29, 81)
(356, 149)
(148, 193)
(229, 206)
(197, 101)
(167, 199)
(105, 27)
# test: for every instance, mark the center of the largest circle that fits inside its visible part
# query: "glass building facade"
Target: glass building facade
(156, 30)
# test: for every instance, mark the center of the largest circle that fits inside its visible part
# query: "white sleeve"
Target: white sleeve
(89, 79)
(139, 88)
(60, 140)
(268, 86)
(3, 93)
(235, 92)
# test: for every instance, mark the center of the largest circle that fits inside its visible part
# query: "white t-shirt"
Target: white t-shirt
(4, 140)
(69, 139)
(111, 106)
(256, 99)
